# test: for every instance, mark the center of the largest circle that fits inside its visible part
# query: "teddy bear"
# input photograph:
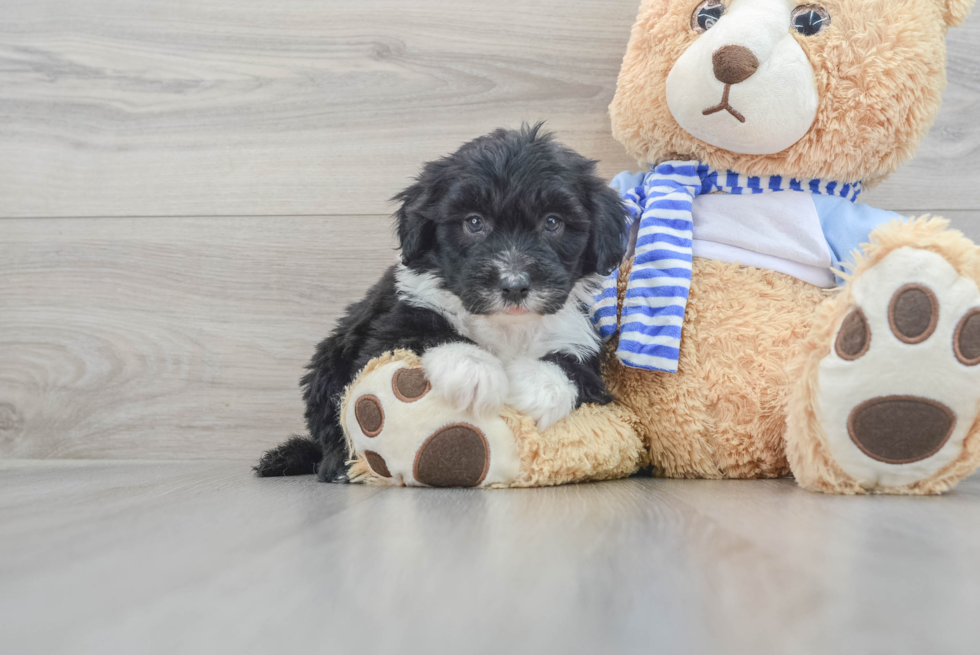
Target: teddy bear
(764, 323)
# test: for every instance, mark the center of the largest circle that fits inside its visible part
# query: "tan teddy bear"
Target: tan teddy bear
(751, 333)
(874, 387)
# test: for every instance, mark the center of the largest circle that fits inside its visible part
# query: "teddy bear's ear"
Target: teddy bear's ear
(956, 11)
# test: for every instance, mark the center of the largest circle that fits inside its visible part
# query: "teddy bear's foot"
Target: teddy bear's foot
(402, 433)
(892, 407)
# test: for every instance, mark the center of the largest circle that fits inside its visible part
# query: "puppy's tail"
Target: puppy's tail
(296, 456)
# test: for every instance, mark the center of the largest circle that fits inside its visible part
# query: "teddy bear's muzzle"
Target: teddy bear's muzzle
(733, 64)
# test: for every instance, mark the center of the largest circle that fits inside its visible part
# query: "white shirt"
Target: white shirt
(778, 231)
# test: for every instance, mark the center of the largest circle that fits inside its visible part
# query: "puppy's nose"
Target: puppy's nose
(516, 288)
(734, 64)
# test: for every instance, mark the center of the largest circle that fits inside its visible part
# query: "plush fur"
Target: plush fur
(596, 442)
(880, 73)
(722, 414)
(502, 244)
(745, 400)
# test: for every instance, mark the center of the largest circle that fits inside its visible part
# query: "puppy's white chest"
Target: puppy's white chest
(568, 331)
(508, 341)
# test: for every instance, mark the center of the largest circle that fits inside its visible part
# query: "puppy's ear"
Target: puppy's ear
(416, 230)
(607, 244)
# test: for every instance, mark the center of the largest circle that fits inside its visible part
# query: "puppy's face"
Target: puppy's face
(510, 223)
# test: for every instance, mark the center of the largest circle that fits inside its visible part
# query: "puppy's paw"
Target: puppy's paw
(541, 390)
(467, 376)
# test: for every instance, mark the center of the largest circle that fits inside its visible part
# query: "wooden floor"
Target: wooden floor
(201, 557)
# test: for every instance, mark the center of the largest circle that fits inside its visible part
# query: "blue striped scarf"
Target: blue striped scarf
(660, 280)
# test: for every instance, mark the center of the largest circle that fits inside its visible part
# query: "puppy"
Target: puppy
(503, 245)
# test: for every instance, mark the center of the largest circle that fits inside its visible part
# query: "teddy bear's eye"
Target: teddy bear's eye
(810, 20)
(706, 15)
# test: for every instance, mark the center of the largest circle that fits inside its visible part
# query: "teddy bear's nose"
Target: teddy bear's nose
(734, 64)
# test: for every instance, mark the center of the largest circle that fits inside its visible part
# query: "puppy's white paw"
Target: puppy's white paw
(541, 390)
(467, 376)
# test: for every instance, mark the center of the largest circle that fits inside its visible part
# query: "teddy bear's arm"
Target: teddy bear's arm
(847, 225)
(627, 181)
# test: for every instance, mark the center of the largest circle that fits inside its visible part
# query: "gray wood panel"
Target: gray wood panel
(126, 107)
(151, 108)
(967, 222)
(149, 338)
(195, 557)
(178, 338)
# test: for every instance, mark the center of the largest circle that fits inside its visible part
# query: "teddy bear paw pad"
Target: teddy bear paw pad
(899, 391)
(407, 434)
(455, 456)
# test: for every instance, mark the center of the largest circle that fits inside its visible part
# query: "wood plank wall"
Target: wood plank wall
(191, 191)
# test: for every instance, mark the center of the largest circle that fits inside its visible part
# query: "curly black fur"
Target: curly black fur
(296, 456)
(515, 180)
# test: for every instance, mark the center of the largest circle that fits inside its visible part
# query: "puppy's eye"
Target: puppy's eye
(474, 224)
(706, 15)
(552, 224)
(810, 20)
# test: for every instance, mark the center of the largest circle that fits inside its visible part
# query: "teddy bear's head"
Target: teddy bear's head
(841, 90)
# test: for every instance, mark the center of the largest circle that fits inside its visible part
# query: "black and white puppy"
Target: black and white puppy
(503, 244)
